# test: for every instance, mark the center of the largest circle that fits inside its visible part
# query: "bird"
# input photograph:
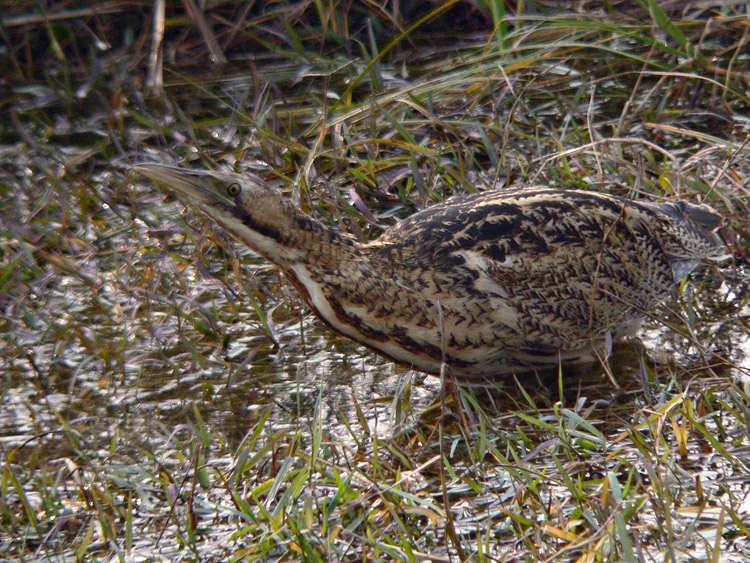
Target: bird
(479, 286)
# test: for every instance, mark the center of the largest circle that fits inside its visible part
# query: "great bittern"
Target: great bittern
(485, 284)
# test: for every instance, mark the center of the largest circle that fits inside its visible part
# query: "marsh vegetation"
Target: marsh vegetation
(167, 396)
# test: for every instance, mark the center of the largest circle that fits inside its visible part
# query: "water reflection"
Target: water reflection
(161, 324)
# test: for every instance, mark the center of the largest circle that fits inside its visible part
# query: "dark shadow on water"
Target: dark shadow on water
(617, 392)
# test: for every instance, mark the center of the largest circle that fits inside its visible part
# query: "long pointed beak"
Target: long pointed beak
(197, 185)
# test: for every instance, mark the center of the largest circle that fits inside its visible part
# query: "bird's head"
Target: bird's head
(207, 188)
(244, 205)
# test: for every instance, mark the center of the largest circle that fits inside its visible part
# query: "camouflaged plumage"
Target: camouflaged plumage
(489, 284)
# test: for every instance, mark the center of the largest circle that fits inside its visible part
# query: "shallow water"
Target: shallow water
(141, 335)
(116, 306)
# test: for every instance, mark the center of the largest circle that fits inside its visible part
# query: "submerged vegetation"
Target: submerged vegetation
(165, 396)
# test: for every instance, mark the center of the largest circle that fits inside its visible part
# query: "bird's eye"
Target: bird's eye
(234, 189)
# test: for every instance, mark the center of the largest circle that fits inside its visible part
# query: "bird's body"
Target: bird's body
(485, 284)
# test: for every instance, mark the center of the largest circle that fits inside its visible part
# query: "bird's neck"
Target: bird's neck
(322, 263)
(276, 229)
(340, 278)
